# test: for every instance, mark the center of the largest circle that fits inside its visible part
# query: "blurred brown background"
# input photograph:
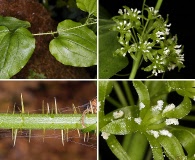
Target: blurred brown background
(34, 92)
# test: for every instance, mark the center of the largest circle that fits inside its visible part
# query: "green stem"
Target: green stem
(120, 94)
(128, 93)
(135, 67)
(158, 4)
(45, 121)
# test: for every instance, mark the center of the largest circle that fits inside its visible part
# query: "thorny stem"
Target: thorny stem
(45, 121)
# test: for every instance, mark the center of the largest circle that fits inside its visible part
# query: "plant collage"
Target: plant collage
(97, 80)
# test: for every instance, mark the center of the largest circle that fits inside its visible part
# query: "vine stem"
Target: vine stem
(48, 33)
(52, 33)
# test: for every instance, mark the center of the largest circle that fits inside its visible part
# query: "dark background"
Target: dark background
(181, 17)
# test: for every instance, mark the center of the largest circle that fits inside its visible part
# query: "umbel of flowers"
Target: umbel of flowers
(148, 34)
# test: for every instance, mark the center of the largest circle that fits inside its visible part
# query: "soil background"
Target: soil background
(34, 92)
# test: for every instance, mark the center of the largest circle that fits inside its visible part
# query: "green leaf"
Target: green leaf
(155, 147)
(75, 45)
(172, 147)
(120, 126)
(116, 148)
(16, 48)
(105, 87)
(180, 111)
(183, 88)
(186, 137)
(13, 23)
(144, 97)
(157, 90)
(109, 65)
(88, 6)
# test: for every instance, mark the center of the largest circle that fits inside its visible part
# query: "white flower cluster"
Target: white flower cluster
(145, 47)
(158, 61)
(124, 25)
(161, 34)
(159, 107)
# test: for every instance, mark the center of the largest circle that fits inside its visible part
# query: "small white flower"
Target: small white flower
(154, 72)
(160, 71)
(171, 121)
(159, 34)
(194, 98)
(167, 31)
(129, 118)
(138, 120)
(118, 114)
(168, 25)
(177, 46)
(105, 135)
(153, 10)
(154, 133)
(166, 51)
(120, 23)
(120, 11)
(129, 24)
(178, 51)
(165, 133)
(160, 103)
(171, 67)
(141, 106)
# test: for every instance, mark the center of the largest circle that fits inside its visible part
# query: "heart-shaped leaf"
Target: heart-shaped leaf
(16, 46)
(75, 45)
